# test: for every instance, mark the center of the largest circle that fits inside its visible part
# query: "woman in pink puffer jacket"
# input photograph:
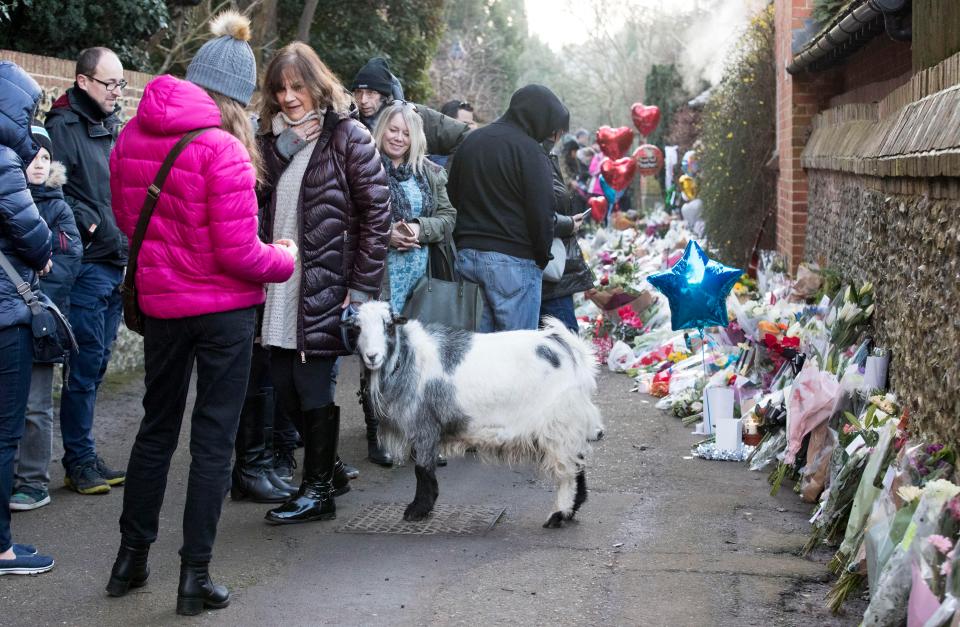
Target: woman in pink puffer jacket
(201, 273)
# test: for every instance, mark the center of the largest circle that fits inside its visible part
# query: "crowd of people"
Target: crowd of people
(269, 231)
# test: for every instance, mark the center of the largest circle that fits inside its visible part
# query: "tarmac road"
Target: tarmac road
(662, 540)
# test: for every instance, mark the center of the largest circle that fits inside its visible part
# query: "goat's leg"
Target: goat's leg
(581, 496)
(426, 447)
(427, 493)
(566, 503)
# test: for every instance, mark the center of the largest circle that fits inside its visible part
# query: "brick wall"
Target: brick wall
(867, 76)
(796, 106)
(55, 76)
(902, 235)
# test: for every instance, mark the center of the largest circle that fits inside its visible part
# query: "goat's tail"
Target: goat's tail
(582, 353)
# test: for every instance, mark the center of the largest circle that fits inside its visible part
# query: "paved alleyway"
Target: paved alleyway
(661, 541)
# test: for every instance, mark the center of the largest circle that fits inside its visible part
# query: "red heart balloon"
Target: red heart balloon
(614, 142)
(598, 208)
(645, 117)
(618, 173)
(649, 159)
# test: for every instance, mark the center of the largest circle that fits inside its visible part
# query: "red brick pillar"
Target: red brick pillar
(796, 106)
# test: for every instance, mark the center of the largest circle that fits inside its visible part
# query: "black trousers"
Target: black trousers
(261, 379)
(221, 345)
(300, 386)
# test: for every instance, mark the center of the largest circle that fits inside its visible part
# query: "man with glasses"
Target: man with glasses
(83, 126)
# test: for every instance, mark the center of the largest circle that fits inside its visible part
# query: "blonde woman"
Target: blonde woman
(324, 186)
(422, 213)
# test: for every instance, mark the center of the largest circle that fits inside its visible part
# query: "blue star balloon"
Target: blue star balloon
(697, 289)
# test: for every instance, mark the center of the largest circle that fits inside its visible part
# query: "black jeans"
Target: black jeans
(284, 432)
(221, 344)
(300, 386)
(16, 347)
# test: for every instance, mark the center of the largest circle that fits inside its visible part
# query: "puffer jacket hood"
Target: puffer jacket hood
(537, 111)
(173, 107)
(19, 95)
(24, 236)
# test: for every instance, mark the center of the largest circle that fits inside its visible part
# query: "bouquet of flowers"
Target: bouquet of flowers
(846, 321)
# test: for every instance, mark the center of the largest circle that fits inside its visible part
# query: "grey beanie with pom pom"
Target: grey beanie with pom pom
(226, 63)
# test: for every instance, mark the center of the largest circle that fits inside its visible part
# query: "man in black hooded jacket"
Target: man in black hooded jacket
(502, 186)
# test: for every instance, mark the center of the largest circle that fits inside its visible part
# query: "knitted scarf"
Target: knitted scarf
(399, 200)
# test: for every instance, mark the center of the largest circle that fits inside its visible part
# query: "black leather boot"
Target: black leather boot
(352, 472)
(197, 591)
(375, 452)
(267, 458)
(251, 472)
(341, 478)
(130, 570)
(315, 499)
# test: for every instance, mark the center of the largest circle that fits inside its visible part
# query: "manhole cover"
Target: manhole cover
(446, 519)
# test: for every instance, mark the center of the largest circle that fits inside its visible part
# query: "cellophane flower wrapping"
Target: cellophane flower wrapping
(888, 603)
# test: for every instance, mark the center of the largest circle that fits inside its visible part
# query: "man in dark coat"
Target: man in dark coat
(375, 88)
(25, 244)
(501, 183)
(83, 126)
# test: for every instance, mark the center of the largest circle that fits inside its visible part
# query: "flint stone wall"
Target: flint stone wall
(904, 236)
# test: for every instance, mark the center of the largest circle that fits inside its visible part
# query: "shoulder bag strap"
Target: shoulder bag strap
(23, 288)
(150, 202)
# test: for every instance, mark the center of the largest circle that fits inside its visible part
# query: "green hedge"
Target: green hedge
(739, 139)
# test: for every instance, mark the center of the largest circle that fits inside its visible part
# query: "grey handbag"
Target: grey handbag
(457, 304)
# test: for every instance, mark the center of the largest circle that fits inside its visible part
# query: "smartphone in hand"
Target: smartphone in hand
(404, 228)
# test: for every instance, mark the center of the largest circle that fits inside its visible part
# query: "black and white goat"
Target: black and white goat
(514, 396)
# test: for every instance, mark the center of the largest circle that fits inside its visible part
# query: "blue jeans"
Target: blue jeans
(95, 312)
(561, 309)
(16, 346)
(511, 288)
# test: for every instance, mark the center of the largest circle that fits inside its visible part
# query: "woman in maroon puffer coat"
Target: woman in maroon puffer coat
(325, 189)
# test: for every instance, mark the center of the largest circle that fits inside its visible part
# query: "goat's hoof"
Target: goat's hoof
(415, 512)
(555, 521)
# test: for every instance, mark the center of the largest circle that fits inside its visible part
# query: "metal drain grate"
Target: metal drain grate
(460, 520)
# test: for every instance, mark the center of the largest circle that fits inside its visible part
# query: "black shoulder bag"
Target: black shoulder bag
(53, 339)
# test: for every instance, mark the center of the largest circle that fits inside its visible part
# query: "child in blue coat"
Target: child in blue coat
(46, 179)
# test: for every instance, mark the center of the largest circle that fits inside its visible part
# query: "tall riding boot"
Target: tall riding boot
(375, 452)
(267, 458)
(197, 591)
(320, 432)
(250, 479)
(130, 570)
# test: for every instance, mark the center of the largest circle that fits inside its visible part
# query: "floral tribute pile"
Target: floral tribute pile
(809, 389)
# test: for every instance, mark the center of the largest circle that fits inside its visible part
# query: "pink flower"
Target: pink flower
(941, 543)
(953, 506)
(849, 428)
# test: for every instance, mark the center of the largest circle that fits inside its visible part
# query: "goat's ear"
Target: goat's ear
(399, 320)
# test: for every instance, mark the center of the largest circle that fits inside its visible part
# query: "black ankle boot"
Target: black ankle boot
(197, 591)
(130, 570)
(315, 499)
(341, 478)
(352, 472)
(251, 472)
(375, 453)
